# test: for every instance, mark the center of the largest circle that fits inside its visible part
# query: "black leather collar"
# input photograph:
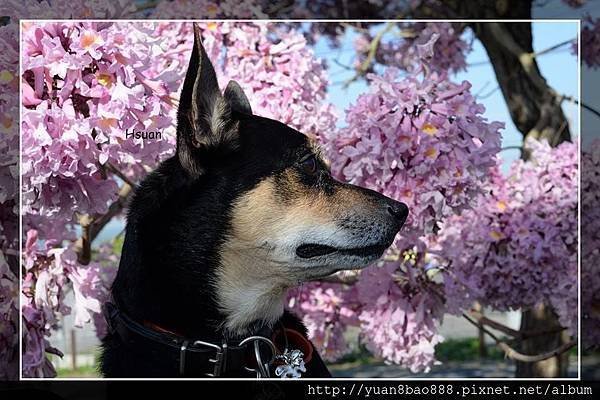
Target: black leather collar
(193, 357)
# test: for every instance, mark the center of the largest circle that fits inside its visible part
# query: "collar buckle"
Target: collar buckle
(220, 356)
(218, 361)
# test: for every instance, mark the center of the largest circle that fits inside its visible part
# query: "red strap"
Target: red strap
(159, 328)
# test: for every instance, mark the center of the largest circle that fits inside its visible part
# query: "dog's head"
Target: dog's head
(282, 218)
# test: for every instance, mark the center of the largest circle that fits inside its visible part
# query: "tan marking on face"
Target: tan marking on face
(254, 275)
(262, 213)
(277, 204)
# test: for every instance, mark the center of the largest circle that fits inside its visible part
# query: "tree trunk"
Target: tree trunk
(533, 105)
(542, 317)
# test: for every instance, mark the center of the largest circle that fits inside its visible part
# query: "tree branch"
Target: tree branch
(518, 335)
(554, 47)
(342, 277)
(343, 65)
(586, 106)
(488, 94)
(515, 355)
(91, 226)
(526, 59)
(120, 174)
(534, 54)
(532, 103)
(8, 164)
(512, 148)
(366, 64)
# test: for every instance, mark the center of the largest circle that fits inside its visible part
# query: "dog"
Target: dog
(216, 235)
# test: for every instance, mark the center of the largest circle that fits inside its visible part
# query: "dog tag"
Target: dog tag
(292, 364)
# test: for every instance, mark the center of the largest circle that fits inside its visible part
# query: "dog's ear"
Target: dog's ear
(204, 120)
(234, 94)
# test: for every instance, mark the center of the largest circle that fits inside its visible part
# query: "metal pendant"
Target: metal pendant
(293, 364)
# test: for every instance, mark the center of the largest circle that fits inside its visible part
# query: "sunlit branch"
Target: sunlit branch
(370, 59)
(534, 54)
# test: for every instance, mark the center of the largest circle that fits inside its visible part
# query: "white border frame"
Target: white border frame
(333, 379)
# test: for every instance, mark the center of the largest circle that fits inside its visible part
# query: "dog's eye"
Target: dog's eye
(309, 165)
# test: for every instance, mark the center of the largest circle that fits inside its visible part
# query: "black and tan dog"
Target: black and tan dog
(216, 235)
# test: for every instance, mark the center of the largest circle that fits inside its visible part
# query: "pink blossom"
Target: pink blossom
(590, 244)
(399, 317)
(422, 140)
(327, 312)
(518, 247)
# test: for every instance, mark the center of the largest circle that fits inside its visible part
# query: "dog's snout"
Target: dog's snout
(385, 208)
(397, 210)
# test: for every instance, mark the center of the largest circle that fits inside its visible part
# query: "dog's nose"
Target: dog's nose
(397, 210)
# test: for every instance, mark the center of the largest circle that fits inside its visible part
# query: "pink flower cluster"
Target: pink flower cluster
(327, 310)
(84, 86)
(450, 54)
(590, 245)
(518, 247)
(394, 306)
(49, 273)
(421, 139)
(400, 314)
